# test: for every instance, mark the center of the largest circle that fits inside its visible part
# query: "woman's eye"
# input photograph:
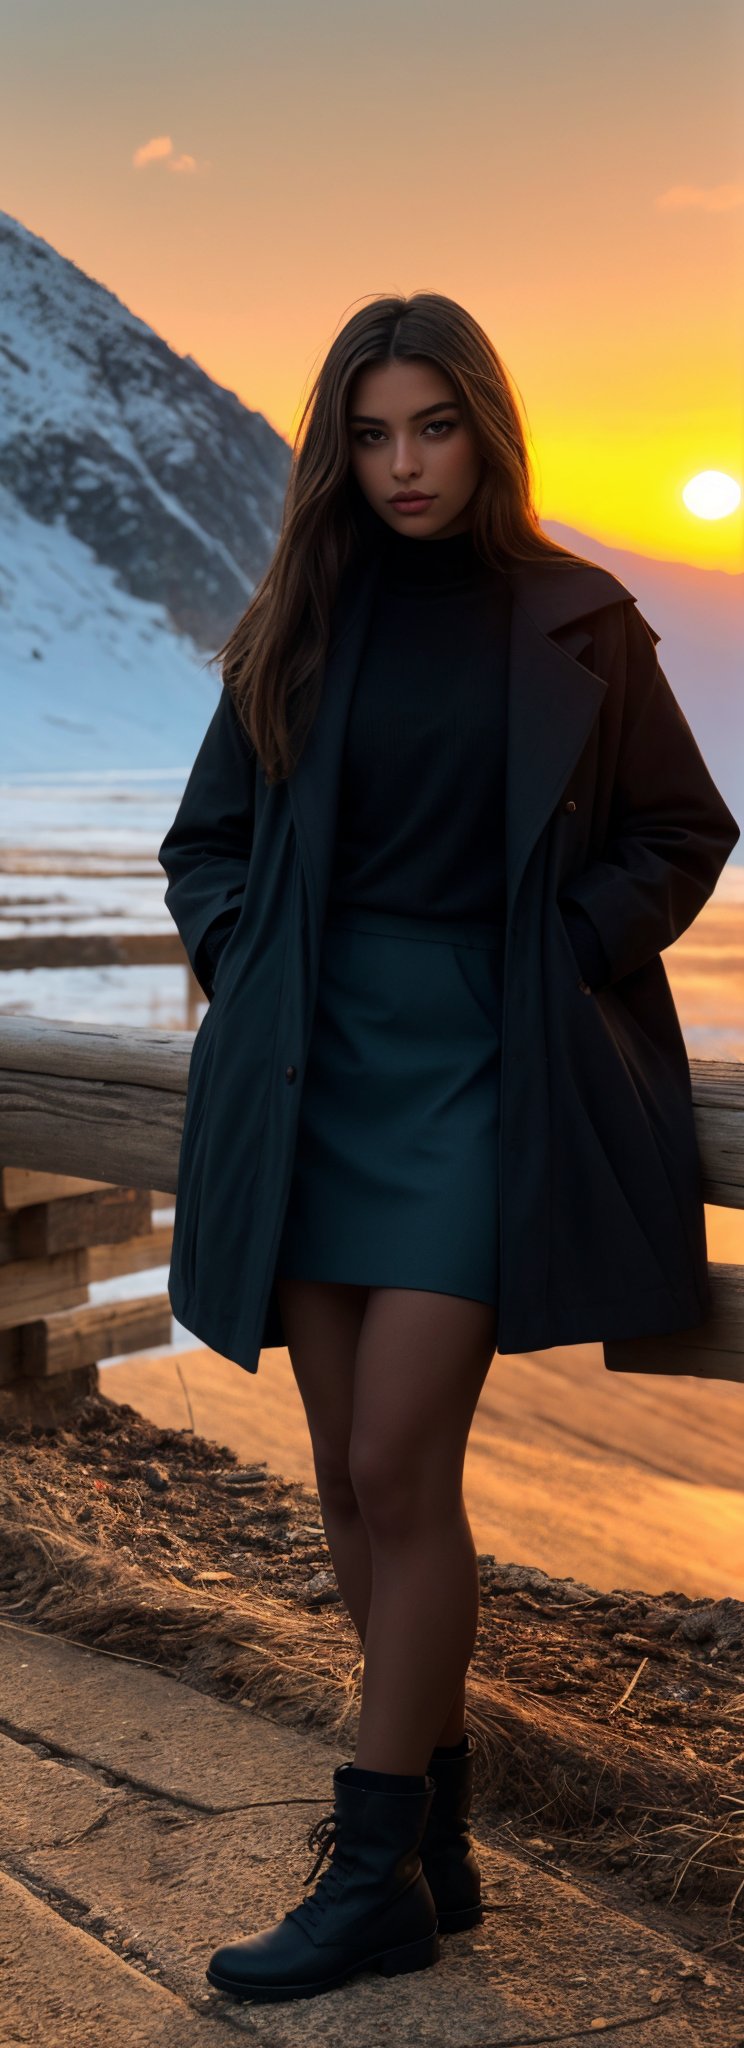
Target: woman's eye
(448, 424)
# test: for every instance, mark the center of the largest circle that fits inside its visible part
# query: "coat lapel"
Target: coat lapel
(554, 698)
(552, 704)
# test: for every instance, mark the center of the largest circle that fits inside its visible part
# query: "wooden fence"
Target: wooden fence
(102, 949)
(62, 1231)
(103, 1106)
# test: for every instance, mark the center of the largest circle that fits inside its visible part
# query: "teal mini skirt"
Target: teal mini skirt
(394, 1180)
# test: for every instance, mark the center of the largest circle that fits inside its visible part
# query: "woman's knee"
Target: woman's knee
(398, 1491)
(333, 1476)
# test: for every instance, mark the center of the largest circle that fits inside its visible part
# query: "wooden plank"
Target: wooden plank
(109, 1101)
(131, 1135)
(11, 1340)
(103, 1054)
(29, 1287)
(108, 1216)
(83, 1336)
(10, 1357)
(92, 949)
(20, 1187)
(77, 860)
(712, 1350)
(135, 1255)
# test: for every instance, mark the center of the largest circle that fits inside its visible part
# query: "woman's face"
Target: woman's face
(408, 432)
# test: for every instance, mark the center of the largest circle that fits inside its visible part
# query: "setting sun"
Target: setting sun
(712, 494)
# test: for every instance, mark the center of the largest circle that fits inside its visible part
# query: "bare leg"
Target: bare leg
(323, 1322)
(421, 1362)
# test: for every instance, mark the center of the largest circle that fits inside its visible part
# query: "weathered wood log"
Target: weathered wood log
(159, 948)
(92, 949)
(135, 1255)
(20, 1187)
(83, 1336)
(77, 860)
(97, 1100)
(30, 1286)
(9, 1357)
(101, 1052)
(108, 1217)
(714, 1350)
(109, 1100)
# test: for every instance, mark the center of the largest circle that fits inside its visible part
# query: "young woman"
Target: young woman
(447, 796)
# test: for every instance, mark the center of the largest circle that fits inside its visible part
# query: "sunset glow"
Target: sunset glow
(712, 495)
(243, 187)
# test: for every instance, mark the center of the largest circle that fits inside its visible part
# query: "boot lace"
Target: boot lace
(323, 1838)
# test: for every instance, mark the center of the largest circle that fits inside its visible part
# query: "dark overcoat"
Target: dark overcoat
(609, 805)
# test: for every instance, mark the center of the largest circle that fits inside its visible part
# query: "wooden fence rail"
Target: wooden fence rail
(107, 1102)
(159, 947)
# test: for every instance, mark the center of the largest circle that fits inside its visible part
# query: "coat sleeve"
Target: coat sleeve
(670, 831)
(206, 851)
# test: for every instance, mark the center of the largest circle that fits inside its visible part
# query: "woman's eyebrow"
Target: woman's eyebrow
(370, 419)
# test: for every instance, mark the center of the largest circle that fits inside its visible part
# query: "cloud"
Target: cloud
(707, 198)
(159, 149)
(150, 152)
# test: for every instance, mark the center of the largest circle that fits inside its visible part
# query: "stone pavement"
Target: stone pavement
(143, 1823)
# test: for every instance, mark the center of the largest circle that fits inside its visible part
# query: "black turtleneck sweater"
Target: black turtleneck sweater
(420, 826)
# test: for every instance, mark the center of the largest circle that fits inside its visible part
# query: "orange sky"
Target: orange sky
(244, 175)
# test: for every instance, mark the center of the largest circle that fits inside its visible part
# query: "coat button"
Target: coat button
(290, 1073)
(570, 806)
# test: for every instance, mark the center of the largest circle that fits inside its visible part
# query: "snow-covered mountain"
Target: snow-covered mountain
(139, 505)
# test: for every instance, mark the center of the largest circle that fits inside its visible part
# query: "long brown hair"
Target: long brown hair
(272, 661)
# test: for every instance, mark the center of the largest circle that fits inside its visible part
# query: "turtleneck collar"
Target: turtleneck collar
(412, 560)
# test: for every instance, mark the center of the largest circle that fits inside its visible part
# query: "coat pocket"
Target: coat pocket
(481, 968)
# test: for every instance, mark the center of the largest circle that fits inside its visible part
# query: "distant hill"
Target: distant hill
(140, 503)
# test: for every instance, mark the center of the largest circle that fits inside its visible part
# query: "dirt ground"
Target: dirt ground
(613, 1721)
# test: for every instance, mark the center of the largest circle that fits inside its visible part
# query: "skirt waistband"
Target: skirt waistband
(395, 924)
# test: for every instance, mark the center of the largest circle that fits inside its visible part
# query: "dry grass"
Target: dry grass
(603, 1762)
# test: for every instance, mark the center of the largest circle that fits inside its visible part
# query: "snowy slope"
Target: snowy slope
(139, 505)
(168, 477)
(89, 676)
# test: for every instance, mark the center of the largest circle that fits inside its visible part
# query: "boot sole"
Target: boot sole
(390, 1962)
(461, 1916)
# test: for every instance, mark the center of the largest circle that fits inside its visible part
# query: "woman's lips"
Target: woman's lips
(411, 504)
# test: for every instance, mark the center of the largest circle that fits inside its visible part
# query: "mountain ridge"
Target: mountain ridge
(140, 504)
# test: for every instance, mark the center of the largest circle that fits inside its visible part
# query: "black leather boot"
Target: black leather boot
(447, 1854)
(372, 1908)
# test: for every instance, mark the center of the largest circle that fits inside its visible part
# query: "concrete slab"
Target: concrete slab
(147, 1871)
(548, 1957)
(133, 1721)
(42, 1801)
(61, 1989)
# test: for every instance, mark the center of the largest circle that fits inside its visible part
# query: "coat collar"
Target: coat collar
(553, 701)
